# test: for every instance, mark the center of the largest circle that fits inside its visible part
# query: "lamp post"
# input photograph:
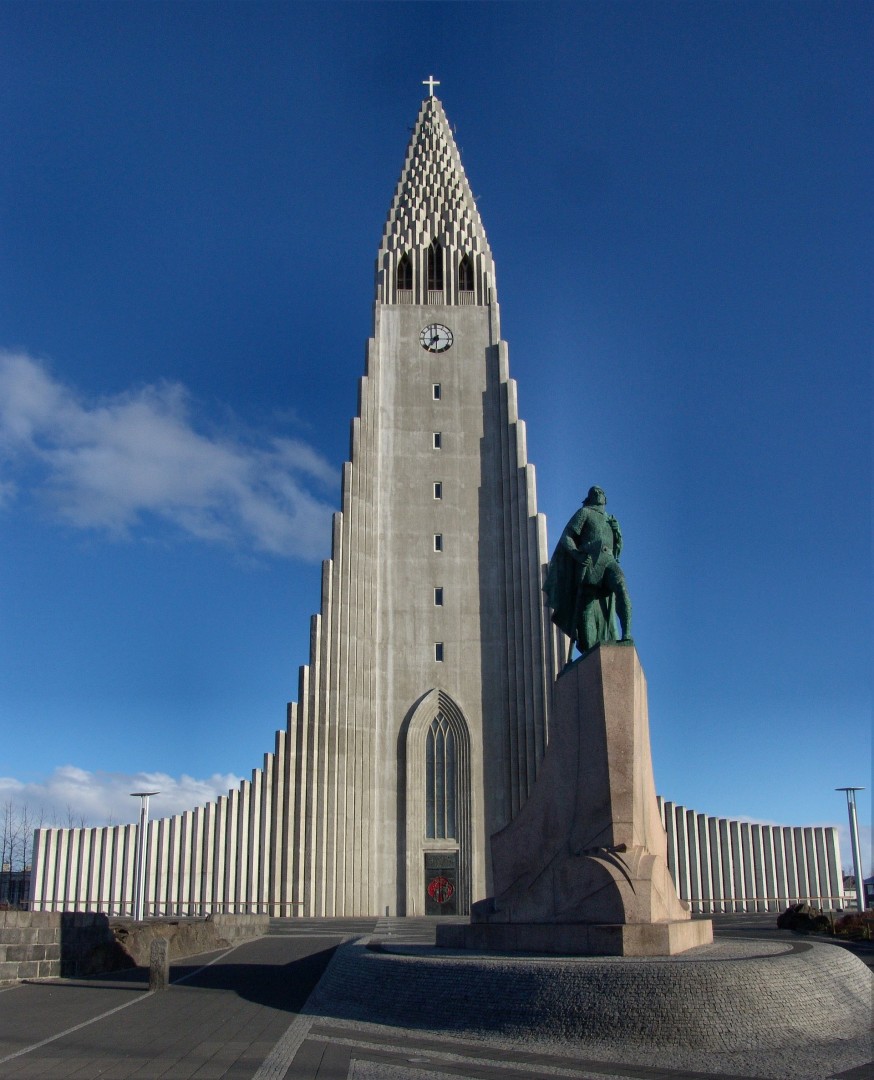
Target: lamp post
(139, 868)
(854, 844)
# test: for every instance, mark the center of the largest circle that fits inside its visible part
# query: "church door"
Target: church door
(441, 882)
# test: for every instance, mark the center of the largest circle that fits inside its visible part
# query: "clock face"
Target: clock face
(436, 337)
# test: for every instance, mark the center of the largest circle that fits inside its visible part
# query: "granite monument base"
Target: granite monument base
(582, 868)
(578, 939)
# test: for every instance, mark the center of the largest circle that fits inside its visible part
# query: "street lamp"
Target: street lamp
(854, 844)
(139, 869)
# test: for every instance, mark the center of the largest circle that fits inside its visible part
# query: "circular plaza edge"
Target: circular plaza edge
(727, 995)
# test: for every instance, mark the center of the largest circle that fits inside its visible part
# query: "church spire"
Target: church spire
(434, 248)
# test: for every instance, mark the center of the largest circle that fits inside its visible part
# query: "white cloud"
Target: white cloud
(74, 796)
(111, 464)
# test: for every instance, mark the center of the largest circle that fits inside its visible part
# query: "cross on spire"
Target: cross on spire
(430, 82)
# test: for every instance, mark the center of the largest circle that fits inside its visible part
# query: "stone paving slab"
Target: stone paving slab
(362, 1052)
(469, 1059)
(221, 1017)
(243, 1014)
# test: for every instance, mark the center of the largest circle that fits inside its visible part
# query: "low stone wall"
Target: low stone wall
(44, 944)
(236, 928)
(30, 945)
(186, 937)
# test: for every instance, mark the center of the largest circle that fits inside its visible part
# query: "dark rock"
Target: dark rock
(803, 919)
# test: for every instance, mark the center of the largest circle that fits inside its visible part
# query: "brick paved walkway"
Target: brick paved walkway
(222, 1017)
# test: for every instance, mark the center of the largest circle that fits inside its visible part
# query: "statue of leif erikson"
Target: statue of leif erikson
(585, 585)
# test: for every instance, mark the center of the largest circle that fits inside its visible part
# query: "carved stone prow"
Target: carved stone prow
(588, 852)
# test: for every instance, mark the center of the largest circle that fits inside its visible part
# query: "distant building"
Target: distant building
(14, 887)
(852, 895)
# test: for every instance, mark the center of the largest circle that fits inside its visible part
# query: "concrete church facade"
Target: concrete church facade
(423, 713)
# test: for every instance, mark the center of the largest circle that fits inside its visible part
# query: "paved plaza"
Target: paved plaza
(240, 1013)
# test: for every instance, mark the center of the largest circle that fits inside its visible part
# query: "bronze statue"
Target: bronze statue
(585, 584)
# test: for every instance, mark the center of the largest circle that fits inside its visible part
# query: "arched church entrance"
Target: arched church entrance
(438, 808)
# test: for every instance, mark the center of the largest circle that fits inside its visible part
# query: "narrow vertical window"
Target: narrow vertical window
(465, 274)
(438, 541)
(438, 598)
(435, 267)
(405, 273)
(438, 651)
(437, 391)
(438, 490)
(440, 772)
(449, 774)
(438, 440)
(430, 815)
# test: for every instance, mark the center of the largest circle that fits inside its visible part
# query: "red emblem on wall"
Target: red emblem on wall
(440, 889)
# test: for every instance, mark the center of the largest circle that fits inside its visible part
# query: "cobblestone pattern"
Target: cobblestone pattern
(728, 996)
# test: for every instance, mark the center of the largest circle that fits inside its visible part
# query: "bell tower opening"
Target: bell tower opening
(405, 273)
(465, 275)
(435, 267)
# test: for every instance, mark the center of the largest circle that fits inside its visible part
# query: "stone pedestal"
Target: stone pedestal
(582, 869)
(159, 964)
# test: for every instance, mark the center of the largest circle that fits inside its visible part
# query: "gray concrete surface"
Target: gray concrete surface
(242, 1012)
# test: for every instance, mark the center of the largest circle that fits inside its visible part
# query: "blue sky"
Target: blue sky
(678, 200)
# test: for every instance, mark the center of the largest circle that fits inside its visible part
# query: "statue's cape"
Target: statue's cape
(565, 572)
(563, 579)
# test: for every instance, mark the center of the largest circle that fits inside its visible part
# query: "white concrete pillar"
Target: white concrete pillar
(716, 864)
(695, 889)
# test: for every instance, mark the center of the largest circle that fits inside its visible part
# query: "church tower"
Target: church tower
(422, 714)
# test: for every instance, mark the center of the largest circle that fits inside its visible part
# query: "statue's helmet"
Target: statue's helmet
(596, 497)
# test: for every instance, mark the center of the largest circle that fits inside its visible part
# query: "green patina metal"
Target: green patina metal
(585, 586)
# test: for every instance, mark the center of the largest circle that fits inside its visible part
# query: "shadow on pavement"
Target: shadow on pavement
(275, 986)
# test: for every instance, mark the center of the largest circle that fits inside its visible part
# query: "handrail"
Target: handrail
(175, 909)
(701, 905)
